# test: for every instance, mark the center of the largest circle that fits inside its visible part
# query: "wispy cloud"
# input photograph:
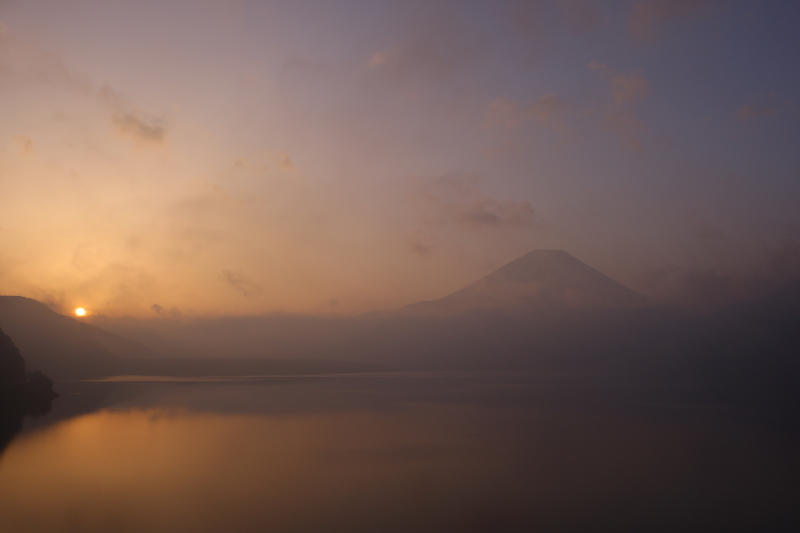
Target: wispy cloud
(161, 311)
(23, 66)
(581, 15)
(420, 243)
(25, 144)
(456, 199)
(764, 107)
(649, 18)
(265, 163)
(140, 127)
(720, 284)
(628, 91)
(241, 282)
(547, 111)
(437, 46)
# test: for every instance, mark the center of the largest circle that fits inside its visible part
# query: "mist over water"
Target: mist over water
(395, 452)
(541, 398)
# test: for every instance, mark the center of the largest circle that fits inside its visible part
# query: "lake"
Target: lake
(395, 452)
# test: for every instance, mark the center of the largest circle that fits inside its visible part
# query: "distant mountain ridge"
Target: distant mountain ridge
(65, 348)
(540, 281)
(62, 346)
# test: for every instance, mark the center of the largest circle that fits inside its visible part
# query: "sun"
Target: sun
(80, 311)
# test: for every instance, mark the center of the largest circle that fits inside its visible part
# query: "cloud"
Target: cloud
(747, 112)
(581, 15)
(429, 57)
(490, 212)
(505, 112)
(529, 17)
(542, 23)
(764, 107)
(695, 287)
(140, 127)
(284, 163)
(722, 283)
(378, 58)
(628, 90)
(240, 282)
(173, 312)
(22, 66)
(547, 111)
(649, 18)
(437, 47)
(628, 87)
(455, 199)
(25, 144)
(419, 243)
(264, 163)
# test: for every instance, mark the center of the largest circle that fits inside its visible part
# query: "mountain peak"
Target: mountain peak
(542, 280)
(539, 264)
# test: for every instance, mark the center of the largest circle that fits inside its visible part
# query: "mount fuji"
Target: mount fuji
(540, 281)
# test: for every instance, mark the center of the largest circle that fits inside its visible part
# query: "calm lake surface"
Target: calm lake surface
(395, 452)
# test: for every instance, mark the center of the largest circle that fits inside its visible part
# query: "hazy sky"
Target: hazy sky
(231, 157)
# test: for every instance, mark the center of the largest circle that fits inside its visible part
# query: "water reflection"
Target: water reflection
(452, 454)
(16, 402)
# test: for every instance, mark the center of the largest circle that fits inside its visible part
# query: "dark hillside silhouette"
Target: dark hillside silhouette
(21, 393)
(61, 346)
(12, 365)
